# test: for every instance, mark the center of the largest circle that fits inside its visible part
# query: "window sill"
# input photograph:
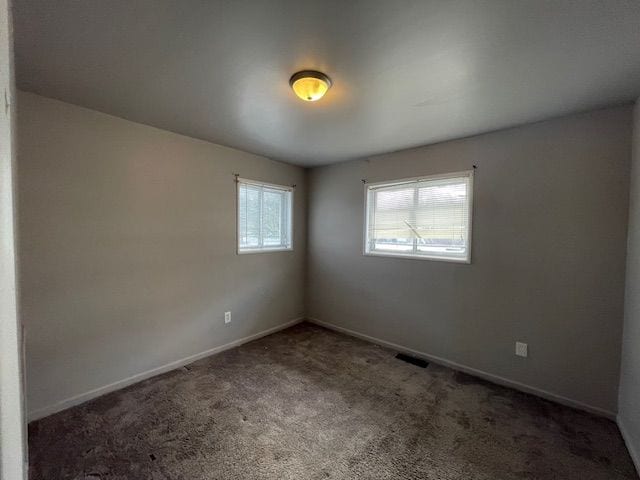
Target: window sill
(264, 250)
(466, 261)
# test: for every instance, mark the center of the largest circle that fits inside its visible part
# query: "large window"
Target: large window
(427, 217)
(264, 217)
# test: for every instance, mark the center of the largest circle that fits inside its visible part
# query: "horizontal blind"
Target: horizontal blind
(427, 217)
(264, 216)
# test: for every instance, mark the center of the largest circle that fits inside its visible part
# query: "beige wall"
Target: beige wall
(629, 401)
(548, 257)
(128, 254)
(128, 250)
(12, 422)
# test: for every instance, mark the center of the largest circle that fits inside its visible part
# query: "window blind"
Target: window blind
(428, 217)
(264, 217)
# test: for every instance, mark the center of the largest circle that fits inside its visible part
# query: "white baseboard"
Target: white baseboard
(97, 392)
(472, 371)
(633, 449)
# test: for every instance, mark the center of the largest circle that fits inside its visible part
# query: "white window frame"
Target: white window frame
(391, 183)
(262, 249)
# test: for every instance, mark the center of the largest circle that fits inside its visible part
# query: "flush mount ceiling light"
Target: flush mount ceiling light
(310, 85)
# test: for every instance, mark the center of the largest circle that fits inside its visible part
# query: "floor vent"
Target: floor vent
(412, 360)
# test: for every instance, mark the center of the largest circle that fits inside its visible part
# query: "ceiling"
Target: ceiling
(405, 73)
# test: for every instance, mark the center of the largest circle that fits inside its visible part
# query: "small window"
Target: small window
(428, 218)
(264, 217)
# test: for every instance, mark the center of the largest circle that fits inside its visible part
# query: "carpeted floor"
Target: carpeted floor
(308, 403)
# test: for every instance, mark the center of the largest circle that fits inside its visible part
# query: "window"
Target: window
(427, 217)
(264, 217)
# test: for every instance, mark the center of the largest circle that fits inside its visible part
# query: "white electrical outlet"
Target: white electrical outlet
(227, 317)
(522, 349)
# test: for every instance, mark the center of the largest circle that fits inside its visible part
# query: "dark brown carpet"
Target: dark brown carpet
(307, 403)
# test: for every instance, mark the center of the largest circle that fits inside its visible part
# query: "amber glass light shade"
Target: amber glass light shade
(310, 85)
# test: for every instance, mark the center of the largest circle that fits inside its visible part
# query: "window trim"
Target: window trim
(275, 186)
(392, 183)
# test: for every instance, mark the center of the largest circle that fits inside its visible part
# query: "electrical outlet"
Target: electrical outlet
(522, 349)
(227, 317)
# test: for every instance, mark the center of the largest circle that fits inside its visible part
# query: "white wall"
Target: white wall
(629, 400)
(128, 241)
(12, 437)
(548, 257)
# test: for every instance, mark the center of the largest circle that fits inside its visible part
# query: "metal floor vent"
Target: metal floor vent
(412, 360)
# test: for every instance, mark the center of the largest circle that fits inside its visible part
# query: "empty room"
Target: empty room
(277, 239)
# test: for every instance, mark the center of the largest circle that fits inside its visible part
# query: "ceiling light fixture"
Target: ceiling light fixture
(310, 85)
